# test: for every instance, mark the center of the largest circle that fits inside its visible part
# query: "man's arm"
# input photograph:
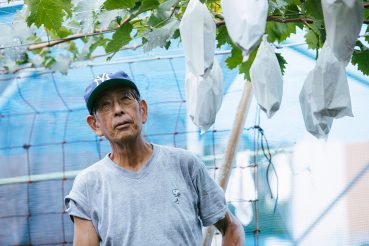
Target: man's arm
(84, 233)
(231, 229)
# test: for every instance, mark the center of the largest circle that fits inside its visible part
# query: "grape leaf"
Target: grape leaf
(162, 13)
(279, 31)
(119, 4)
(99, 41)
(120, 38)
(315, 35)
(64, 32)
(276, 5)
(167, 5)
(159, 36)
(61, 33)
(314, 9)
(360, 58)
(282, 62)
(222, 36)
(311, 39)
(49, 13)
(48, 61)
(148, 5)
(105, 18)
(245, 66)
(176, 34)
(167, 44)
(235, 58)
(22, 59)
(155, 19)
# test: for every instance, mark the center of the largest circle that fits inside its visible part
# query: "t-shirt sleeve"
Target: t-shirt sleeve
(76, 203)
(212, 204)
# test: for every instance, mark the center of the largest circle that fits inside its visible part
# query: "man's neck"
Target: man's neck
(131, 156)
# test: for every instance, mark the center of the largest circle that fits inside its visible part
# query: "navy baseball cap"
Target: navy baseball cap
(103, 82)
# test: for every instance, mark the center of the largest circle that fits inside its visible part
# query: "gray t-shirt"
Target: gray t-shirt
(165, 203)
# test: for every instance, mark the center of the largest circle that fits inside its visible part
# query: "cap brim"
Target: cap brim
(106, 85)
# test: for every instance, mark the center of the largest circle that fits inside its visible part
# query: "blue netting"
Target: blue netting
(44, 136)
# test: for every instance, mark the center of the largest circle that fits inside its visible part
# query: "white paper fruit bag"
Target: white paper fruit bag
(330, 86)
(317, 125)
(197, 30)
(204, 96)
(267, 79)
(343, 20)
(245, 21)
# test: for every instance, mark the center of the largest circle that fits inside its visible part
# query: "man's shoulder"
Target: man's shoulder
(91, 172)
(176, 152)
(185, 159)
(183, 155)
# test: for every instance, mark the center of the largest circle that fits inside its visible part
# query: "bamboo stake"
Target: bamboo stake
(243, 108)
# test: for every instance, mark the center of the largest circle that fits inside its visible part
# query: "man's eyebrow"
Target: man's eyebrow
(103, 97)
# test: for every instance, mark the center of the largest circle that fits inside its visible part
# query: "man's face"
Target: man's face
(119, 116)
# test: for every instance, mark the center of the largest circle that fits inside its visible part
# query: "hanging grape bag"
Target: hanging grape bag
(245, 21)
(267, 79)
(204, 78)
(197, 30)
(316, 124)
(204, 96)
(343, 20)
(330, 87)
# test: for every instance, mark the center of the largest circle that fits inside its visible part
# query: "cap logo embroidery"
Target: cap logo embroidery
(101, 78)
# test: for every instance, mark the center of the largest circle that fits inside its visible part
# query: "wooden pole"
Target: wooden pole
(237, 129)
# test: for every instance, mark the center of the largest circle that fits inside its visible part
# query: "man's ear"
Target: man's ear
(92, 122)
(143, 111)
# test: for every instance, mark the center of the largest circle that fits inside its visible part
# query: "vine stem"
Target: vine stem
(52, 43)
(73, 37)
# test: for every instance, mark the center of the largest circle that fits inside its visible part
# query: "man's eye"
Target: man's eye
(105, 105)
(126, 99)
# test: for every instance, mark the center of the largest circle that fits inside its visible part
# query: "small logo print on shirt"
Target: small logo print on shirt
(176, 193)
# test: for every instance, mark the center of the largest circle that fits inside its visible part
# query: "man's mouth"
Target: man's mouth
(121, 125)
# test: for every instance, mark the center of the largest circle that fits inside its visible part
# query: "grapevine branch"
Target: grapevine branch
(73, 37)
(295, 20)
(98, 32)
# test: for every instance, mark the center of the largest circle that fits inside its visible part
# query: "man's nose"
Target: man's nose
(118, 108)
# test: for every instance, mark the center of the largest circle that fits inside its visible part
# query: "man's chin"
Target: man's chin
(125, 137)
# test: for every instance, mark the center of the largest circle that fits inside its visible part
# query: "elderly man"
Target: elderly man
(141, 193)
